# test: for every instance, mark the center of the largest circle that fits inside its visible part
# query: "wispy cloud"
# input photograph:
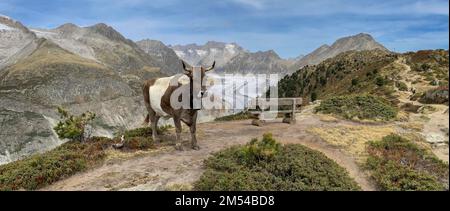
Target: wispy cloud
(290, 27)
(257, 4)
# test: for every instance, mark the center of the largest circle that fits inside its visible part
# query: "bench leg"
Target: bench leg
(258, 121)
(289, 119)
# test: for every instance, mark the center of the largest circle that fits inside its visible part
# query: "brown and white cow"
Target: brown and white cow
(159, 92)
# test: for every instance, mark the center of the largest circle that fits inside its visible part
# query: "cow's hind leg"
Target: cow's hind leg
(155, 119)
(178, 128)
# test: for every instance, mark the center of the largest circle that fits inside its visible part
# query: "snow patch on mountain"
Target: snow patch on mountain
(201, 52)
(4, 16)
(230, 48)
(180, 54)
(5, 27)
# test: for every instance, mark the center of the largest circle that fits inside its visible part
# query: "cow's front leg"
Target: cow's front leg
(178, 129)
(194, 143)
(193, 128)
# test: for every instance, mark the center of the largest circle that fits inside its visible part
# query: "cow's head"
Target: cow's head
(197, 72)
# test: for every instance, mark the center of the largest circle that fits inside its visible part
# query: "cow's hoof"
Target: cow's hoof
(196, 147)
(179, 147)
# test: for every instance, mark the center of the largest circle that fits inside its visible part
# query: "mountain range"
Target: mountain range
(232, 58)
(96, 68)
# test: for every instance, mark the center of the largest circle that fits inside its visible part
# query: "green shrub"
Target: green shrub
(409, 107)
(313, 96)
(267, 166)
(401, 86)
(436, 96)
(138, 143)
(143, 132)
(234, 117)
(380, 81)
(263, 150)
(398, 164)
(360, 106)
(72, 127)
(424, 67)
(40, 170)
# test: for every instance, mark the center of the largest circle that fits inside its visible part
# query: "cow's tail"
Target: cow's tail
(147, 119)
(146, 93)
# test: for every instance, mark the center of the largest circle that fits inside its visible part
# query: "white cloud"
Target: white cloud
(363, 7)
(257, 4)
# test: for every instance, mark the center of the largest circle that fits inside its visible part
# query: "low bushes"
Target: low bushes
(234, 117)
(397, 164)
(358, 106)
(409, 107)
(401, 86)
(265, 165)
(40, 170)
(435, 96)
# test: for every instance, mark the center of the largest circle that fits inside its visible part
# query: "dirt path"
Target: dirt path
(171, 169)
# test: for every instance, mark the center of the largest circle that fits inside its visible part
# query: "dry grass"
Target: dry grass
(179, 187)
(414, 126)
(353, 139)
(402, 116)
(328, 118)
(113, 155)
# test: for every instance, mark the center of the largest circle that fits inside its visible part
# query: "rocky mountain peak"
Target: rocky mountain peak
(361, 41)
(271, 54)
(147, 44)
(67, 27)
(163, 54)
(8, 24)
(108, 32)
(358, 42)
(16, 41)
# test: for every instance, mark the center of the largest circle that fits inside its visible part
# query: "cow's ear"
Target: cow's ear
(187, 68)
(211, 68)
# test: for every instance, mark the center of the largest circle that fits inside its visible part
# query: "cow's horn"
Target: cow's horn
(212, 66)
(186, 67)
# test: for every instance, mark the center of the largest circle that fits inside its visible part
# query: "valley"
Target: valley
(355, 90)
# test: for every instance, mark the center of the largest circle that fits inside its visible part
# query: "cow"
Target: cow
(158, 94)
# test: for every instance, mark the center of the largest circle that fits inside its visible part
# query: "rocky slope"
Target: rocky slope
(16, 41)
(163, 54)
(359, 42)
(390, 75)
(80, 68)
(106, 46)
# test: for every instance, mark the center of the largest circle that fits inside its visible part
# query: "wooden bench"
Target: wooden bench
(260, 108)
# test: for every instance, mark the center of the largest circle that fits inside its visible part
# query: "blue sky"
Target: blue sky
(290, 27)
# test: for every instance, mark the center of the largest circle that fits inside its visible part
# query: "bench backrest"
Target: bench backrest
(263, 102)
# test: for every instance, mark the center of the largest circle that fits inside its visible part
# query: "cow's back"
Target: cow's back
(155, 89)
